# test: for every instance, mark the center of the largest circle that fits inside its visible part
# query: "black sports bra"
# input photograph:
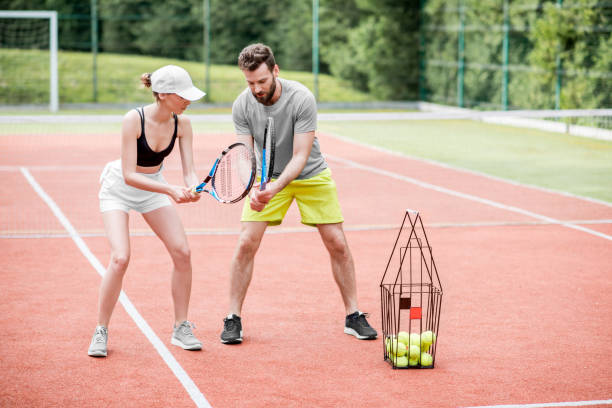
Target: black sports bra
(147, 157)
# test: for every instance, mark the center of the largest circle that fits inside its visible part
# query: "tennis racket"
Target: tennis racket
(232, 175)
(267, 153)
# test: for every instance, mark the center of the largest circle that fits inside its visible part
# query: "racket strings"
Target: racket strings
(234, 174)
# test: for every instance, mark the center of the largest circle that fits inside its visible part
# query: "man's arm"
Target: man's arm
(247, 140)
(302, 144)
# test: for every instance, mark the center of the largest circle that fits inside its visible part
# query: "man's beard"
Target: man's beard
(264, 100)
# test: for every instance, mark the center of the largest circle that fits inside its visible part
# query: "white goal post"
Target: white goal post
(53, 77)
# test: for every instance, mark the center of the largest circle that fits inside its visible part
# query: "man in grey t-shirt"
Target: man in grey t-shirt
(300, 172)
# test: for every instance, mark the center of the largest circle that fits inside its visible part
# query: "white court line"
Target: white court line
(163, 351)
(468, 196)
(552, 404)
(456, 168)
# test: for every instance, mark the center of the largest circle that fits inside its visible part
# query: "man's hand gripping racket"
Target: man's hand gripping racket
(232, 175)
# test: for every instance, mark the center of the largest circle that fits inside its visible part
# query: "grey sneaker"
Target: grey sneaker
(97, 348)
(182, 336)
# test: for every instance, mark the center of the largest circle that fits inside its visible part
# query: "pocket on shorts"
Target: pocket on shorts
(109, 179)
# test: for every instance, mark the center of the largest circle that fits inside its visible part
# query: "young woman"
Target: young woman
(135, 182)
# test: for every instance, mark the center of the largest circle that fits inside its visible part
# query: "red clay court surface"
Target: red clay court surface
(526, 311)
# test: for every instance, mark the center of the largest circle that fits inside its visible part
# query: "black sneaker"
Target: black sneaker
(357, 325)
(232, 330)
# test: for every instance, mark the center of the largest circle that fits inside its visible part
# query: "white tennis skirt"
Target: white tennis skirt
(116, 195)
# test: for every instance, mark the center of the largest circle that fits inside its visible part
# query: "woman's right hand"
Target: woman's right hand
(181, 194)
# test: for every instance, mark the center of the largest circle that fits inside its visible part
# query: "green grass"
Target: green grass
(118, 78)
(557, 161)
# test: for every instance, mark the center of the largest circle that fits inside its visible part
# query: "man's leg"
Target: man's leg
(241, 272)
(342, 264)
(343, 269)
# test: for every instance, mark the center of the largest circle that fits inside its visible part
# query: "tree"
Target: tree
(290, 34)
(571, 33)
(174, 30)
(236, 24)
(373, 44)
(121, 24)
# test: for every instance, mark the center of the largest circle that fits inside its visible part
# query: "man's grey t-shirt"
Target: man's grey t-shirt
(293, 113)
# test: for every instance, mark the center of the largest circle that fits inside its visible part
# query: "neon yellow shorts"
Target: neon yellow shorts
(316, 197)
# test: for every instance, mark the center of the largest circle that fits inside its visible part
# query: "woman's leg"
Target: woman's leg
(116, 225)
(167, 225)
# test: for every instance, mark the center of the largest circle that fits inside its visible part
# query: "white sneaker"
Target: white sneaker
(97, 348)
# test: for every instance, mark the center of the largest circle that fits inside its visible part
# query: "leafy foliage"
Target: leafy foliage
(392, 49)
(572, 33)
(550, 42)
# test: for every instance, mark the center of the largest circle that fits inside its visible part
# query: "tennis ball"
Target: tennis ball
(426, 359)
(396, 347)
(399, 348)
(427, 339)
(414, 352)
(404, 337)
(413, 363)
(400, 362)
(415, 339)
(388, 344)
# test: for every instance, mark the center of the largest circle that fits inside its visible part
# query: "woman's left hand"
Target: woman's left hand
(193, 195)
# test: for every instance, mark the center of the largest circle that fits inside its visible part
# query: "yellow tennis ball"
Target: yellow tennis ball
(413, 363)
(404, 337)
(415, 339)
(401, 349)
(426, 359)
(414, 352)
(427, 339)
(388, 344)
(396, 347)
(401, 362)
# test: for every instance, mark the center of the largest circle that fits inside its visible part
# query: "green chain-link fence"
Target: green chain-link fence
(511, 54)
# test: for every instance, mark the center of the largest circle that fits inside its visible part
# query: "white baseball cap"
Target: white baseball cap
(174, 79)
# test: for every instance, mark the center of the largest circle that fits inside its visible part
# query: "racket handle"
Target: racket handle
(262, 185)
(198, 189)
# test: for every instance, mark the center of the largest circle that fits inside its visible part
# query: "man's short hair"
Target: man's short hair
(252, 56)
